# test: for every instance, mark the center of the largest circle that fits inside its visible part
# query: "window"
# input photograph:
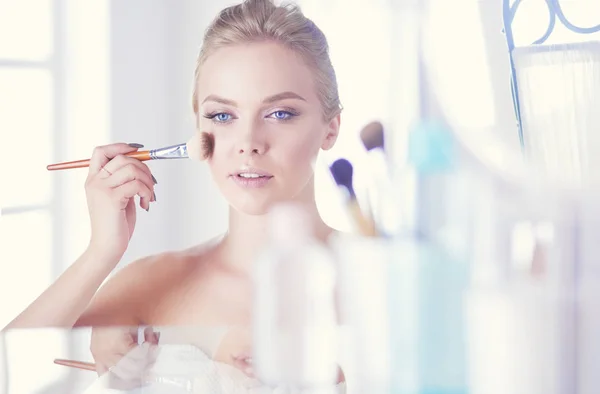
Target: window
(53, 57)
(28, 120)
(59, 61)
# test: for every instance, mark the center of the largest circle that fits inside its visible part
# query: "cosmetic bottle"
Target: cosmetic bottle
(431, 270)
(294, 318)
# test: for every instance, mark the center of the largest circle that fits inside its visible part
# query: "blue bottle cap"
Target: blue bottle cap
(431, 147)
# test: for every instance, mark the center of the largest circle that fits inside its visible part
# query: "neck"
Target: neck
(249, 234)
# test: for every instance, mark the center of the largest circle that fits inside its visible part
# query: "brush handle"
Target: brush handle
(140, 155)
(76, 364)
(366, 226)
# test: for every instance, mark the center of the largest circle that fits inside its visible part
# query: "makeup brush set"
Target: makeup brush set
(367, 219)
(462, 308)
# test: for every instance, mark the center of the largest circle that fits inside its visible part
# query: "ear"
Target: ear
(332, 131)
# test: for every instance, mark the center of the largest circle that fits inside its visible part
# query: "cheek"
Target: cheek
(299, 156)
(217, 166)
(221, 156)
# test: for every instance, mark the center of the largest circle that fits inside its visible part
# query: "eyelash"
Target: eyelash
(288, 112)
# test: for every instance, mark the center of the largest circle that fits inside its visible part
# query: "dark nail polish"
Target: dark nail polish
(148, 209)
(135, 145)
(154, 179)
(154, 193)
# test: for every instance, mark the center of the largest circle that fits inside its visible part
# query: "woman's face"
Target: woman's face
(260, 103)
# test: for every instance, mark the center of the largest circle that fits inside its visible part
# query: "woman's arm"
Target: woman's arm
(124, 298)
(67, 298)
(112, 183)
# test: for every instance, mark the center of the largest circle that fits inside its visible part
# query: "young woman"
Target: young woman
(266, 90)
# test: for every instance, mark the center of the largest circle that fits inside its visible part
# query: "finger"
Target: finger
(243, 366)
(101, 369)
(132, 333)
(129, 190)
(150, 336)
(121, 161)
(128, 173)
(103, 154)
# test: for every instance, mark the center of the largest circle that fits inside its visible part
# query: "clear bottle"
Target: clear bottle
(294, 321)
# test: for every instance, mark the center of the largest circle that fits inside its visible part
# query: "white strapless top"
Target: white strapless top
(186, 368)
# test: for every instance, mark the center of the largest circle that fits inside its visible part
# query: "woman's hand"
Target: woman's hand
(116, 351)
(112, 183)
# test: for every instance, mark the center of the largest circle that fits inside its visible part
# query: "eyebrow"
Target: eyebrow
(268, 100)
(217, 99)
(283, 96)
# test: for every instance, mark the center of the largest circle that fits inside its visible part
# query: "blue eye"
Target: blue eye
(222, 117)
(219, 117)
(282, 115)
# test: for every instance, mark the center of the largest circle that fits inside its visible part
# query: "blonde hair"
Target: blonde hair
(262, 20)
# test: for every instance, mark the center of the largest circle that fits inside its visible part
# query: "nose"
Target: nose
(252, 143)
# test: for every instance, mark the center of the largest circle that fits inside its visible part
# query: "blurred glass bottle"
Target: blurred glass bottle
(294, 321)
(429, 311)
(430, 269)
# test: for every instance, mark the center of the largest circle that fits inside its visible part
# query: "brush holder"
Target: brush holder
(363, 265)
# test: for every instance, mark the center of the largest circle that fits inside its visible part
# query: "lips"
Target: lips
(251, 177)
(251, 172)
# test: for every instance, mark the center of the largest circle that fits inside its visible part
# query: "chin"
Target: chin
(259, 201)
(249, 206)
(251, 202)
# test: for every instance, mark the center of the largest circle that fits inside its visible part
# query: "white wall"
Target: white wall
(154, 45)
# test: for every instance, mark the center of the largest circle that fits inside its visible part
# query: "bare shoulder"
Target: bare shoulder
(125, 296)
(169, 263)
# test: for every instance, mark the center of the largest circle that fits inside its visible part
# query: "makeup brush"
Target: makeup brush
(76, 364)
(372, 136)
(342, 172)
(380, 188)
(199, 147)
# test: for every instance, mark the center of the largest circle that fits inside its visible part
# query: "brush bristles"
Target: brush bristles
(201, 146)
(342, 172)
(372, 136)
(207, 145)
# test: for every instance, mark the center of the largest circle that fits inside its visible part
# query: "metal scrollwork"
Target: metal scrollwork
(555, 12)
